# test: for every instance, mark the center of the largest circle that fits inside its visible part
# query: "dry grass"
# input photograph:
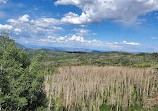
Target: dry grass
(89, 87)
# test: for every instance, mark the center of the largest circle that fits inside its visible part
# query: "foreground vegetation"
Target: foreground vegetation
(76, 81)
(21, 80)
(90, 88)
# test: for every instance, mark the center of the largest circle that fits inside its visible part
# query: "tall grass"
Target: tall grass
(90, 88)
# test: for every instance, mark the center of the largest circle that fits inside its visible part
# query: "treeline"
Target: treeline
(21, 80)
(61, 58)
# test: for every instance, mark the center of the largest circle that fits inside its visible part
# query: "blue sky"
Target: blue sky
(107, 25)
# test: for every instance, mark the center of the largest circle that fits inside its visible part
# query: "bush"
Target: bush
(144, 64)
(21, 81)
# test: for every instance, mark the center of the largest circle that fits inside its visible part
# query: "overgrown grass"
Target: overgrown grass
(131, 84)
(91, 88)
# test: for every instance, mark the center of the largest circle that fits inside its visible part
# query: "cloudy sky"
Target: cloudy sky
(107, 25)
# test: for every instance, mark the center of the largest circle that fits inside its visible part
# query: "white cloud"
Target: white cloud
(34, 29)
(24, 18)
(77, 39)
(3, 1)
(72, 18)
(82, 32)
(125, 11)
(42, 24)
(51, 20)
(67, 2)
(5, 27)
(17, 30)
(12, 20)
(45, 31)
(53, 39)
(131, 43)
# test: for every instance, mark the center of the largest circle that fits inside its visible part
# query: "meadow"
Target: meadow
(108, 88)
(63, 58)
(45, 80)
(107, 81)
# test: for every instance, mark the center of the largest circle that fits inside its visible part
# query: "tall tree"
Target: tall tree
(21, 81)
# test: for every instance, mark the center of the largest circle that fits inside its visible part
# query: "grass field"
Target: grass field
(61, 58)
(92, 88)
(85, 81)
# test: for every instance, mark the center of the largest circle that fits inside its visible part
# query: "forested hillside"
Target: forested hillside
(64, 58)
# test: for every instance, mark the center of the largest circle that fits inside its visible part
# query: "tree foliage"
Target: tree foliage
(20, 79)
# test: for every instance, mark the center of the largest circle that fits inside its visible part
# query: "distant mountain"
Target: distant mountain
(21, 46)
(63, 49)
(96, 51)
(17, 44)
(68, 49)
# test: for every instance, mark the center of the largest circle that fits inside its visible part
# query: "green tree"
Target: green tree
(21, 81)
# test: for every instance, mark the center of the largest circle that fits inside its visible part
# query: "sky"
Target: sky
(105, 25)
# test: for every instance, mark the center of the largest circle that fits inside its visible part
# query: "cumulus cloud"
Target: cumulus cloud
(125, 11)
(17, 30)
(82, 32)
(42, 24)
(5, 27)
(33, 28)
(77, 38)
(24, 18)
(65, 39)
(52, 20)
(72, 18)
(130, 43)
(67, 2)
(80, 41)
(45, 31)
